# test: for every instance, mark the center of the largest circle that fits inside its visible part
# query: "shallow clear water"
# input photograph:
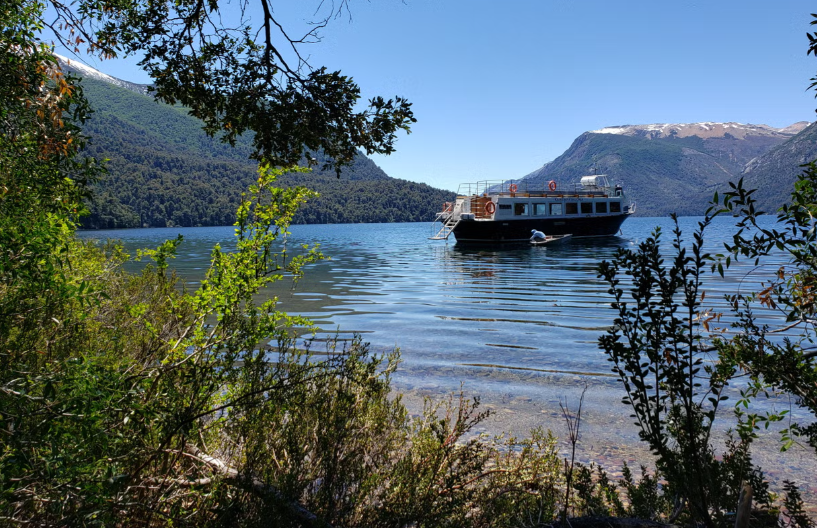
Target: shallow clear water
(517, 326)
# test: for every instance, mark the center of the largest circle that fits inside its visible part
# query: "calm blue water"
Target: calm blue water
(451, 306)
(516, 326)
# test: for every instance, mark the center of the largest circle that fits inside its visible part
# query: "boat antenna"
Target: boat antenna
(594, 167)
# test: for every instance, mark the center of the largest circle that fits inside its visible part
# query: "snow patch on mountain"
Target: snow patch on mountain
(704, 130)
(83, 70)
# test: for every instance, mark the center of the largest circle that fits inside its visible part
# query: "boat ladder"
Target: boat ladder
(449, 222)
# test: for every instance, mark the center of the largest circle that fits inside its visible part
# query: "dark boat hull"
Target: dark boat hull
(518, 230)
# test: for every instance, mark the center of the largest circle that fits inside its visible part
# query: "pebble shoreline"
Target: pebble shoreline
(607, 436)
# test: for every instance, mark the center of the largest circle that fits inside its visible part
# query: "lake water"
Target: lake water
(517, 327)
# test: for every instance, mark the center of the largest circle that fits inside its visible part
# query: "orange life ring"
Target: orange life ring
(552, 185)
(513, 188)
(446, 206)
(490, 208)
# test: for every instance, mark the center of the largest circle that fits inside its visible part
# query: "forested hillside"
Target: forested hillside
(774, 173)
(164, 171)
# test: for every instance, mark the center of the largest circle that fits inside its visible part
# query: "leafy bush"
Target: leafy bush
(150, 405)
(596, 497)
(786, 364)
(672, 383)
(646, 499)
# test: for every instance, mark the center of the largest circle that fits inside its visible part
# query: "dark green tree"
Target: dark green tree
(42, 180)
(248, 75)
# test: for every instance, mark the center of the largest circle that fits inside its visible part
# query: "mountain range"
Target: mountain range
(669, 168)
(163, 170)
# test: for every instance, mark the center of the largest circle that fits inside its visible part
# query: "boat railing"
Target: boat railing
(599, 186)
(484, 187)
(452, 209)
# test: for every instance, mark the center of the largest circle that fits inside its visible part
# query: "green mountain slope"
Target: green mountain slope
(164, 171)
(773, 174)
(667, 170)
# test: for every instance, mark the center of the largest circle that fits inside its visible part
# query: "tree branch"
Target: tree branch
(255, 486)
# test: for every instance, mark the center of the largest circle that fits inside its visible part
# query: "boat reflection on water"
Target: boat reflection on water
(550, 262)
(579, 244)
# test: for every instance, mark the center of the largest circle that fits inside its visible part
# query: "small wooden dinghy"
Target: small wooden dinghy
(555, 239)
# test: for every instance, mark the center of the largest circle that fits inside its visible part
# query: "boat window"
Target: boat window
(615, 207)
(540, 209)
(601, 207)
(571, 208)
(587, 207)
(520, 208)
(556, 209)
(505, 206)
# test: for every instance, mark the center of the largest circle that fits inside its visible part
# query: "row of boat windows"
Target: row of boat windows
(558, 209)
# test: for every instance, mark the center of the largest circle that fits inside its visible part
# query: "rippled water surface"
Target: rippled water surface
(518, 326)
(451, 306)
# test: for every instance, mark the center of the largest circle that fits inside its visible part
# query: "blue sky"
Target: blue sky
(500, 88)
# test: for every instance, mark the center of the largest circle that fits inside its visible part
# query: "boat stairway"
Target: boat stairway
(449, 223)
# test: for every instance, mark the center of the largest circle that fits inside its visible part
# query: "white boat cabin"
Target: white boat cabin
(505, 201)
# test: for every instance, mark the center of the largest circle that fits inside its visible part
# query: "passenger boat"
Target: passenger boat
(507, 211)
